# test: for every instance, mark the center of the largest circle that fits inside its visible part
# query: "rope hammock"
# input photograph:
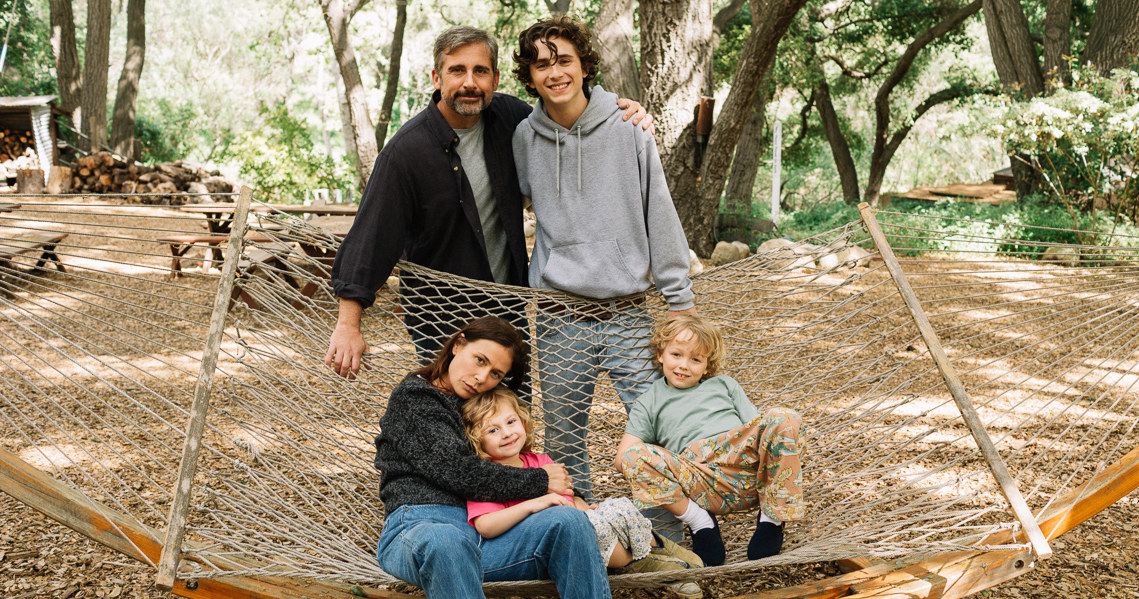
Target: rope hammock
(105, 366)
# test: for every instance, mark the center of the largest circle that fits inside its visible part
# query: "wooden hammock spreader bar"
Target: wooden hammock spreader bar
(988, 450)
(125, 535)
(1075, 507)
(1065, 513)
(183, 490)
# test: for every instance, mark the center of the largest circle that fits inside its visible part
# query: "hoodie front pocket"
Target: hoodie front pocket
(594, 270)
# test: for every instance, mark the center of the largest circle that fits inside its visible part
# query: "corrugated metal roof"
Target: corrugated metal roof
(25, 101)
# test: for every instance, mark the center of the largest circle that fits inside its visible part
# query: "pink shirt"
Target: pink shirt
(478, 508)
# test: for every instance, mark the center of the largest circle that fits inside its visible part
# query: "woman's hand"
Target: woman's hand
(560, 481)
(495, 523)
(538, 504)
(580, 504)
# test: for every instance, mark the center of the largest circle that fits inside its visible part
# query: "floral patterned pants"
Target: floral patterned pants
(617, 520)
(755, 464)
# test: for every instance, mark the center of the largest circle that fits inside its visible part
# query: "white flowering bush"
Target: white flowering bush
(1083, 140)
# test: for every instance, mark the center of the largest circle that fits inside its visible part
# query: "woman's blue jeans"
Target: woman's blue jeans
(436, 549)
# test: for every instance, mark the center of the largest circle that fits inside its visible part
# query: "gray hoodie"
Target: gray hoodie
(606, 223)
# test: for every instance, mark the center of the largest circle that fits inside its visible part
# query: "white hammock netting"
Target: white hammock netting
(100, 365)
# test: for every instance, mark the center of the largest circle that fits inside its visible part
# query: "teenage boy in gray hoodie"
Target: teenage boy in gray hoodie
(607, 230)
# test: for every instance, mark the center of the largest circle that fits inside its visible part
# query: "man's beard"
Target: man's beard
(464, 108)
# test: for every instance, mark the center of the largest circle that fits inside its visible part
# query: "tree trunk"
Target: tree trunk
(363, 134)
(1011, 45)
(704, 188)
(1057, 39)
(95, 64)
(614, 35)
(392, 86)
(745, 164)
(122, 121)
(345, 114)
(1017, 67)
(840, 149)
(676, 40)
(1114, 36)
(879, 161)
(66, 59)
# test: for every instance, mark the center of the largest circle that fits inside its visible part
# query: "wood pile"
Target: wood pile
(14, 143)
(103, 173)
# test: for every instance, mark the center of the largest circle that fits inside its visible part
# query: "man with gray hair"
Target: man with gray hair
(444, 194)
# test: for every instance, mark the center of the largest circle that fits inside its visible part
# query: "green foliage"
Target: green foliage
(1022, 229)
(1083, 141)
(814, 219)
(732, 39)
(28, 66)
(166, 130)
(279, 158)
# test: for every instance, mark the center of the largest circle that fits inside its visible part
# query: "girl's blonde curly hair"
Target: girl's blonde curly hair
(477, 409)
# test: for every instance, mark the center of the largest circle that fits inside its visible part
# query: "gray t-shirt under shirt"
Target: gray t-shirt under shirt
(470, 151)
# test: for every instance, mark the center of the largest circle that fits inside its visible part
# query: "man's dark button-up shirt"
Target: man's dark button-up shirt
(419, 206)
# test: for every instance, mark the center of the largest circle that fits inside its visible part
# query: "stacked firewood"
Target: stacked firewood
(15, 143)
(103, 173)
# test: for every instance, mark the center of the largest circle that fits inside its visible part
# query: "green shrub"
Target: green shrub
(1083, 141)
(1022, 229)
(165, 131)
(281, 161)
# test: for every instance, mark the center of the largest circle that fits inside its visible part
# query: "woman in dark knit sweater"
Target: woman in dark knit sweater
(429, 470)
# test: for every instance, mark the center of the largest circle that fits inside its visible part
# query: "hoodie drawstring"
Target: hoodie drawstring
(558, 157)
(579, 159)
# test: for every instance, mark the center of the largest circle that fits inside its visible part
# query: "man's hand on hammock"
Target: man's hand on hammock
(347, 346)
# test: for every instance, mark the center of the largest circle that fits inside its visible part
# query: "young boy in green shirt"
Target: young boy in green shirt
(696, 446)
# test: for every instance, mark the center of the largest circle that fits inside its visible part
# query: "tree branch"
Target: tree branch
(882, 99)
(853, 74)
(726, 14)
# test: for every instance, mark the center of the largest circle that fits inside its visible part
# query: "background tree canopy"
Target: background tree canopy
(872, 96)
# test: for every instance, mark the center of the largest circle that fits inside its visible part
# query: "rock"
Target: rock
(393, 283)
(695, 266)
(854, 254)
(217, 184)
(784, 254)
(828, 261)
(744, 250)
(1061, 256)
(724, 253)
(774, 244)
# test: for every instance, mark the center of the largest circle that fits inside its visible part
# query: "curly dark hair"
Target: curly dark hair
(565, 27)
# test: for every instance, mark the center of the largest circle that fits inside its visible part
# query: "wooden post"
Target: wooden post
(176, 523)
(776, 170)
(989, 451)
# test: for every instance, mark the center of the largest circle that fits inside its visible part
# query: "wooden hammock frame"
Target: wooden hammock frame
(944, 575)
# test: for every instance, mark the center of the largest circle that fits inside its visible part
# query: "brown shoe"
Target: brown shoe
(653, 562)
(667, 547)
